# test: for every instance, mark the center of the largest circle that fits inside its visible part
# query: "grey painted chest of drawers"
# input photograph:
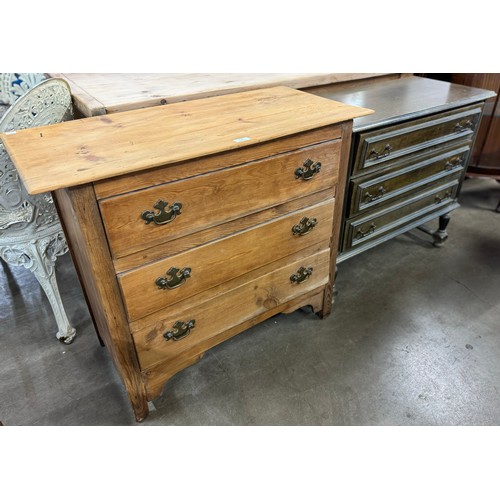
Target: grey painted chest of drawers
(408, 159)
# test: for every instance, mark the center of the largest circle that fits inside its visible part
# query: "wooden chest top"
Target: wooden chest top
(105, 93)
(403, 99)
(83, 151)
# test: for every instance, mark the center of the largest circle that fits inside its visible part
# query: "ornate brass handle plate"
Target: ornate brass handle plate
(308, 170)
(440, 199)
(305, 226)
(459, 127)
(177, 277)
(301, 275)
(361, 234)
(372, 197)
(180, 330)
(451, 164)
(164, 214)
(375, 155)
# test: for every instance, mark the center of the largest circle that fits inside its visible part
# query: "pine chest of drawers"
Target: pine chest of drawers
(408, 159)
(190, 222)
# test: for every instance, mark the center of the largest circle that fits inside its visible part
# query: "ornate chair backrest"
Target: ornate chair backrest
(47, 103)
(14, 85)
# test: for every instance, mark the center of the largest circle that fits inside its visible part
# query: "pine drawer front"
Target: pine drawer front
(160, 214)
(375, 148)
(188, 273)
(195, 322)
(204, 165)
(408, 176)
(362, 230)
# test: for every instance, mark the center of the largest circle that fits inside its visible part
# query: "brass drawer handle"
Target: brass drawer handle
(372, 197)
(308, 170)
(177, 278)
(164, 214)
(305, 226)
(375, 155)
(301, 275)
(180, 330)
(361, 234)
(440, 199)
(462, 128)
(451, 164)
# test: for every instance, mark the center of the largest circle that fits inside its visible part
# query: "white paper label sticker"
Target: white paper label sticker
(242, 139)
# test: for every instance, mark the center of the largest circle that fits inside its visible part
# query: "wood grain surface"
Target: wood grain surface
(335, 235)
(182, 244)
(197, 166)
(90, 149)
(80, 217)
(156, 376)
(212, 199)
(223, 260)
(103, 93)
(231, 308)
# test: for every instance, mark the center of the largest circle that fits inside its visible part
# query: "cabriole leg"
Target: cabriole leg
(39, 256)
(43, 268)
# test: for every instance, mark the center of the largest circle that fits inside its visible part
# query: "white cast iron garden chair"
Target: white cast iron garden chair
(30, 231)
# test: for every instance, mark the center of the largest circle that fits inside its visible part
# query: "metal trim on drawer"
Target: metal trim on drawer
(375, 232)
(357, 204)
(362, 163)
(351, 252)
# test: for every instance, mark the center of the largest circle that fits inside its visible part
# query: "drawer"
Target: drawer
(175, 278)
(154, 216)
(200, 321)
(375, 148)
(203, 165)
(407, 176)
(362, 230)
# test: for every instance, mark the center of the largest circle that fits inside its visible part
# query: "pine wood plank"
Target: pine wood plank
(173, 247)
(190, 168)
(85, 103)
(156, 376)
(147, 323)
(216, 198)
(223, 260)
(337, 217)
(91, 149)
(98, 93)
(231, 308)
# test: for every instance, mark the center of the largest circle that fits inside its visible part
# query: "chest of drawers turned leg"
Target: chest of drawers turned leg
(191, 222)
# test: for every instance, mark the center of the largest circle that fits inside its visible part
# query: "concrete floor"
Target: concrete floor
(414, 339)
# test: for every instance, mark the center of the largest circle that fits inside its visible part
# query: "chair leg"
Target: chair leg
(43, 267)
(39, 256)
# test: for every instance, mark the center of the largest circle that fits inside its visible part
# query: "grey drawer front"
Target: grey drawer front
(375, 148)
(410, 176)
(362, 230)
